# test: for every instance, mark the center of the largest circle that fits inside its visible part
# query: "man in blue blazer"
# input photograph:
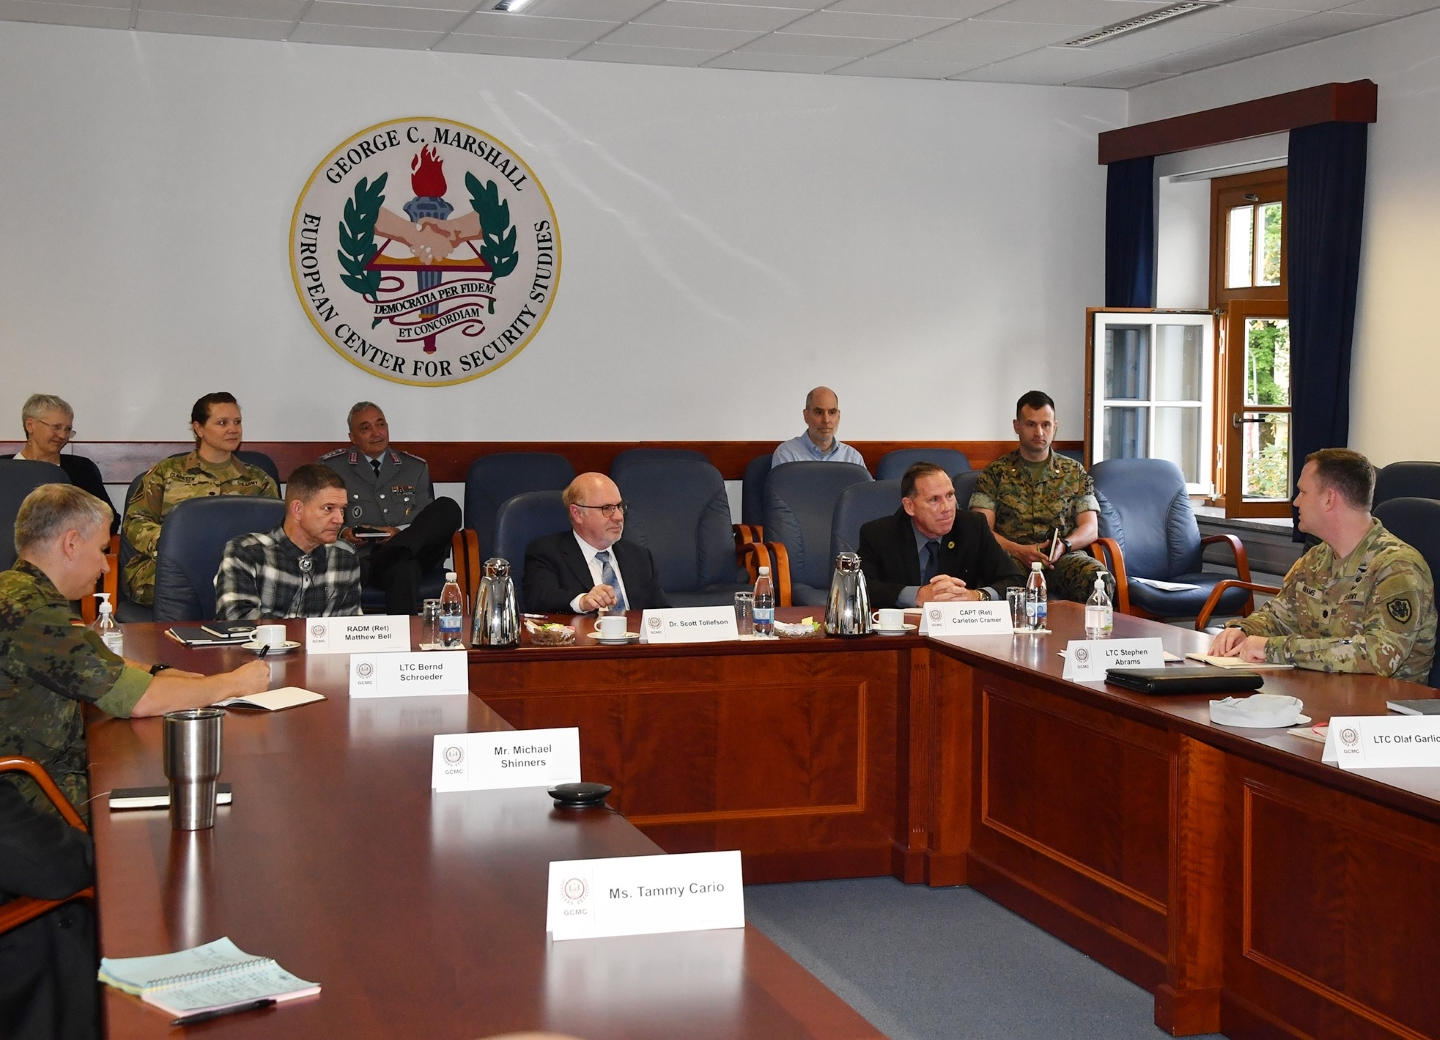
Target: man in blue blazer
(588, 567)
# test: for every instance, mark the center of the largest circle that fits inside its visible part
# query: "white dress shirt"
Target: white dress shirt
(596, 569)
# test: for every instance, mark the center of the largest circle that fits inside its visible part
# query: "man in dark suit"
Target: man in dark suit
(588, 567)
(931, 550)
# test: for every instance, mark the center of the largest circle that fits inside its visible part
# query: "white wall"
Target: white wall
(1396, 364)
(729, 240)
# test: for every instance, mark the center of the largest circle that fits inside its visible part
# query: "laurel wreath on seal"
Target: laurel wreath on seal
(357, 238)
(499, 247)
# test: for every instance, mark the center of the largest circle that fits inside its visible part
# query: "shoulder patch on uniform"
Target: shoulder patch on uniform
(1399, 609)
(333, 454)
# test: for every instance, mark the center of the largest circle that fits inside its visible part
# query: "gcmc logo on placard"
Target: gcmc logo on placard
(425, 251)
(574, 890)
(365, 669)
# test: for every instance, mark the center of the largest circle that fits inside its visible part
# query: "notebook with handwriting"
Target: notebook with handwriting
(207, 978)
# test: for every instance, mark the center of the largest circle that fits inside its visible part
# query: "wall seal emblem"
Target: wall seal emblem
(425, 251)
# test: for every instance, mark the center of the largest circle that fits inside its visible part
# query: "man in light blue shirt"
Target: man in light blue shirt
(818, 443)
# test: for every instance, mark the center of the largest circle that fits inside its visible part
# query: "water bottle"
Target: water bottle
(451, 607)
(105, 626)
(1035, 610)
(1099, 616)
(764, 604)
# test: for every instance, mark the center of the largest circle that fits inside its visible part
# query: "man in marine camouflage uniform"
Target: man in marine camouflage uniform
(1027, 495)
(1361, 601)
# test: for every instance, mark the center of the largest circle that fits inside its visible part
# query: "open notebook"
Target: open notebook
(207, 978)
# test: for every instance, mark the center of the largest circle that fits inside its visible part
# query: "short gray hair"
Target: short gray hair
(52, 509)
(38, 404)
(357, 408)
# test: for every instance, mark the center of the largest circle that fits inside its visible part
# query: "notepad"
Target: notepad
(1419, 707)
(272, 700)
(1235, 662)
(207, 978)
(197, 635)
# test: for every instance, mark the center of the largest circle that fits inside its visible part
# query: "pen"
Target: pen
(262, 651)
(205, 1016)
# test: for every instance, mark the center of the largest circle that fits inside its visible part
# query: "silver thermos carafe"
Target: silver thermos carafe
(848, 613)
(497, 622)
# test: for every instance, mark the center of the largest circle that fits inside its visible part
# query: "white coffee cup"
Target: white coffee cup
(888, 619)
(611, 626)
(272, 636)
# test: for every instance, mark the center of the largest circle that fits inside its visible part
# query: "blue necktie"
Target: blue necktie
(931, 566)
(609, 577)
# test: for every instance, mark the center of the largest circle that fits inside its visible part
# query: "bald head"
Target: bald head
(588, 499)
(822, 416)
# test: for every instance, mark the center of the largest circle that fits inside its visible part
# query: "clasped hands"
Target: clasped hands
(1233, 642)
(945, 589)
(430, 239)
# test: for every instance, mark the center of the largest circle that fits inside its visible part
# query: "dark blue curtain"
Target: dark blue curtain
(1130, 233)
(1325, 204)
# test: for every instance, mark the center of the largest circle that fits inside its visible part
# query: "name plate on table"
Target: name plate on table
(966, 618)
(644, 895)
(1087, 660)
(1382, 741)
(422, 674)
(518, 758)
(370, 633)
(689, 625)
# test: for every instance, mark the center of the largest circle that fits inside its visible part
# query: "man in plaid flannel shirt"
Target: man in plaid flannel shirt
(300, 569)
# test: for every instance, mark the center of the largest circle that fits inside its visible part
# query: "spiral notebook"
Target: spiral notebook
(212, 977)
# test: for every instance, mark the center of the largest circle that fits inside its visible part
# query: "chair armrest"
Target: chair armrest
(469, 568)
(774, 556)
(110, 581)
(1237, 547)
(1107, 551)
(35, 771)
(1219, 590)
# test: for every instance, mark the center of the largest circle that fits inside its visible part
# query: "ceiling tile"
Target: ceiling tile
(798, 43)
(757, 62)
(65, 14)
(210, 25)
(885, 67)
(1325, 23)
(1291, 5)
(927, 8)
(464, 43)
(679, 36)
(720, 16)
(643, 55)
(969, 54)
(278, 10)
(1049, 66)
(1157, 42)
(488, 23)
(327, 12)
(809, 5)
(1218, 54)
(364, 36)
(1122, 79)
(866, 26)
(1071, 12)
(449, 5)
(1016, 35)
(592, 10)
(1392, 8)
(1228, 18)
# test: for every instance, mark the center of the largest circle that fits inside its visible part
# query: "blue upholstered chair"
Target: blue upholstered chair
(1407, 480)
(493, 479)
(265, 462)
(800, 502)
(680, 512)
(752, 493)
(1148, 531)
(19, 477)
(521, 520)
(633, 455)
(192, 543)
(1416, 521)
(857, 505)
(965, 486)
(893, 464)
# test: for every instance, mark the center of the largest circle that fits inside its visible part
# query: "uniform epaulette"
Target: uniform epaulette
(333, 454)
(397, 454)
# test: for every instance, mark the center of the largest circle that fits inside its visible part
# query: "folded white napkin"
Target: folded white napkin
(1258, 711)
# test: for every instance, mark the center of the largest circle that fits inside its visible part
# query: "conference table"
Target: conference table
(1247, 885)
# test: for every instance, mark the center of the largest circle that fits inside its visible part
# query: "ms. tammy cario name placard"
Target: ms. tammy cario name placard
(644, 895)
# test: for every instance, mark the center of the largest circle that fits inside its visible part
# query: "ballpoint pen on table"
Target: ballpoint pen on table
(205, 1016)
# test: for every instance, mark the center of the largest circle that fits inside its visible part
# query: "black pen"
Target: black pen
(205, 1016)
(260, 654)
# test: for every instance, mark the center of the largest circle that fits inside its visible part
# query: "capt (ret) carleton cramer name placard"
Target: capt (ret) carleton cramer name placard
(425, 251)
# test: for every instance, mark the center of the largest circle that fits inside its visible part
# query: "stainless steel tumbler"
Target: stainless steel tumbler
(192, 764)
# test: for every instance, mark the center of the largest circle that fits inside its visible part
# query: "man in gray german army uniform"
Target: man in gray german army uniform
(1031, 493)
(1361, 601)
(400, 529)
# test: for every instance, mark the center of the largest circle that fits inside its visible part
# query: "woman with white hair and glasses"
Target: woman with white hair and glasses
(49, 426)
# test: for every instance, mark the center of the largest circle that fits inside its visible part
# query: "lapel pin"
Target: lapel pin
(949, 545)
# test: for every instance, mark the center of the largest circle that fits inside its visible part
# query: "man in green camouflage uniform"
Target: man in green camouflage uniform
(50, 666)
(1028, 494)
(1361, 601)
(170, 482)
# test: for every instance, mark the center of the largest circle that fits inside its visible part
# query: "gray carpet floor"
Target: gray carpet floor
(946, 963)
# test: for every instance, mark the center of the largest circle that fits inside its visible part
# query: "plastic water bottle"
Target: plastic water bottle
(1099, 615)
(451, 607)
(764, 604)
(105, 626)
(1036, 611)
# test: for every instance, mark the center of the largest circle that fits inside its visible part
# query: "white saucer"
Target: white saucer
(895, 631)
(628, 637)
(283, 648)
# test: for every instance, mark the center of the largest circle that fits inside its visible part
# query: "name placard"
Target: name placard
(492, 761)
(1382, 741)
(644, 895)
(422, 674)
(1087, 660)
(371, 633)
(965, 618)
(688, 625)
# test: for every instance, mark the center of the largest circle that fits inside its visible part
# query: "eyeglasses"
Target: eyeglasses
(609, 510)
(68, 431)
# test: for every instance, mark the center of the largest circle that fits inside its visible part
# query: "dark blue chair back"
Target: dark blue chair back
(800, 502)
(752, 490)
(893, 464)
(857, 505)
(19, 477)
(680, 512)
(1148, 513)
(521, 520)
(634, 455)
(265, 462)
(1407, 480)
(1078, 454)
(965, 486)
(1416, 521)
(192, 543)
(492, 479)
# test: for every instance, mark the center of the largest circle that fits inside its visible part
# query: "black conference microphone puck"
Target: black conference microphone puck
(579, 796)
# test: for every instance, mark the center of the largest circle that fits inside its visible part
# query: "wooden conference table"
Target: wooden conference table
(1248, 886)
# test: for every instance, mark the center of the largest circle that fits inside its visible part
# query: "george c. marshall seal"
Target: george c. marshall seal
(425, 251)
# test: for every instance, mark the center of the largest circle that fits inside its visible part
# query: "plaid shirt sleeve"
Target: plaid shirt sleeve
(237, 589)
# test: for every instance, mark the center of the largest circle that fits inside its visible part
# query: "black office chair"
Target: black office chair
(192, 544)
(1407, 480)
(1416, 521)
(893, 464)
(19, 477)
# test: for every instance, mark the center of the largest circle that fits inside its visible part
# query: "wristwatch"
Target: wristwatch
(156, 669)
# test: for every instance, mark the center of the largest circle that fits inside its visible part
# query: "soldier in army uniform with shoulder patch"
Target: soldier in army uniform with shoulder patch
(1029, 494)
(1361, 601)
(400, 529)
